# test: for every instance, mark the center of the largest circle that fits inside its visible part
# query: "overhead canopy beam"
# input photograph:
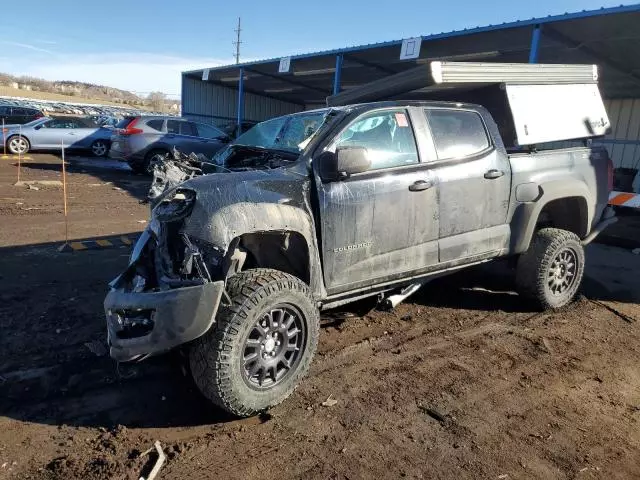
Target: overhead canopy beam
(571, 43)
(290, 81)
(366, 63)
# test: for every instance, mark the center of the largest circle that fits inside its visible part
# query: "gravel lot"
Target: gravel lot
(464, 380)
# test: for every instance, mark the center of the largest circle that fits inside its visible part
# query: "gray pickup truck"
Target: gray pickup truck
(324, 207)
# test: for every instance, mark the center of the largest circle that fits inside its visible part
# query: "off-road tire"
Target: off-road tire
(215, 359)
(533, 270)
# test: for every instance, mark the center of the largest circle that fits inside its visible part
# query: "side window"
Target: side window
(173, 126)
(207, 131)
(188, 128)
(457, 133)
(386, 135)
(5, 111)
(60, 123)
(156, 124)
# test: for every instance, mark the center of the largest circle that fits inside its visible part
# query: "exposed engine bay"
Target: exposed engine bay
(177, 168)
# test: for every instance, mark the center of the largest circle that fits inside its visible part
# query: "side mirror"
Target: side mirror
(37, 127)
(345, 162)
(224, 139)
(352, 160)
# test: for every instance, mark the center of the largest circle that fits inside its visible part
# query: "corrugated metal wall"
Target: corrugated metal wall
(624, 148)
(215, 104)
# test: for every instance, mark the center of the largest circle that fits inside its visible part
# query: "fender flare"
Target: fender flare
(232, 221)
(526, 214)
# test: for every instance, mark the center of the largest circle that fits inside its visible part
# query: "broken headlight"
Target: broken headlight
(175, 206)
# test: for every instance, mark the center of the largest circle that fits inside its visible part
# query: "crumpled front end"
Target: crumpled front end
(170, 292)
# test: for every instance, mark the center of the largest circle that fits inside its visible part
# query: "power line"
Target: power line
(237, 43)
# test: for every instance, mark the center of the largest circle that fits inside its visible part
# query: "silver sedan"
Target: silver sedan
(52, 133)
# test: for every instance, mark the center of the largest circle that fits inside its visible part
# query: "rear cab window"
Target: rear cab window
(386, 134)
(457, 133)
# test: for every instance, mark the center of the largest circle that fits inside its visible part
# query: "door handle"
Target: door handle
(493, 174)
(420, 185)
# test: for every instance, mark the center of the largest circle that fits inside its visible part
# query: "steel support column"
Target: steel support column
(337, 77)
(535, 44)
(240, 102)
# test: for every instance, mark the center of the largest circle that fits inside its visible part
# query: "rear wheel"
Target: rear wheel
(100, 148)
(18, 145)
(551, 271)
(142, 166)
(261, 345)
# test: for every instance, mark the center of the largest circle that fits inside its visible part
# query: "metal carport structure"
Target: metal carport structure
(608, 37)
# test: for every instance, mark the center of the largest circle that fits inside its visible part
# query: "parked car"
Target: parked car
(18, 115)
(344, 203)
(141, 140)
(49, 133)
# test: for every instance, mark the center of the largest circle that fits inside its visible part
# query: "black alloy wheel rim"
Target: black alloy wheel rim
(562, 271)
(274, 347)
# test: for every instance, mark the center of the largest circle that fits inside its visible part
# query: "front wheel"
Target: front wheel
(550, 271)
(18, 145)
(261, 345)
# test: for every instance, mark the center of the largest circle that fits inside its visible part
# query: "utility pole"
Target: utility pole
(238, 42)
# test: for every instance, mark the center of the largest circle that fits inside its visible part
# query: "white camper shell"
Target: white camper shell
(546, 102)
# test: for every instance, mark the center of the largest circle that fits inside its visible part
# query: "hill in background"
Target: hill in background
(78, 91)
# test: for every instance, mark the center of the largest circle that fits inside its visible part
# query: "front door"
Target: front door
(380, 225)
(474, 177)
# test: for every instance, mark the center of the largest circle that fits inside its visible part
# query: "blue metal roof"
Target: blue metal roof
(454, 33)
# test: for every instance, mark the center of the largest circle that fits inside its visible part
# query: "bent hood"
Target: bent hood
(230, 204)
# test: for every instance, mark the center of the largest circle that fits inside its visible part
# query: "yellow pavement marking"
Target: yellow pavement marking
(78, 246)
(13, 157)
(104, 243)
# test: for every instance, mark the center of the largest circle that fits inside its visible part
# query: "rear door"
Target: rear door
(84, 133)
(380, 225)
(180, 134)
(474, 176)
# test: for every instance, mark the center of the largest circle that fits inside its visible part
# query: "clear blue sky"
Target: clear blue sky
(143, 45)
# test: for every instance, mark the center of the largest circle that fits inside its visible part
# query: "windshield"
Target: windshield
(284, 133)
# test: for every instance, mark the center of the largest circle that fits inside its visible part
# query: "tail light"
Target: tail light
(131, 128)
(39, 115)
(610, 174)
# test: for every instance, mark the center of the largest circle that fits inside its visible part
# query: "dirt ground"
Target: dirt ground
(464, 380)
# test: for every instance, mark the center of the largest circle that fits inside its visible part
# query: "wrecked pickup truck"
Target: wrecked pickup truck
(340, 204)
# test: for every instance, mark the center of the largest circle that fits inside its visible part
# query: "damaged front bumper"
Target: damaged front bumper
(144, 320)
(164, 320)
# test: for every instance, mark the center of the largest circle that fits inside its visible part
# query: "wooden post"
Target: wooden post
(19, 153)
(64, 194)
